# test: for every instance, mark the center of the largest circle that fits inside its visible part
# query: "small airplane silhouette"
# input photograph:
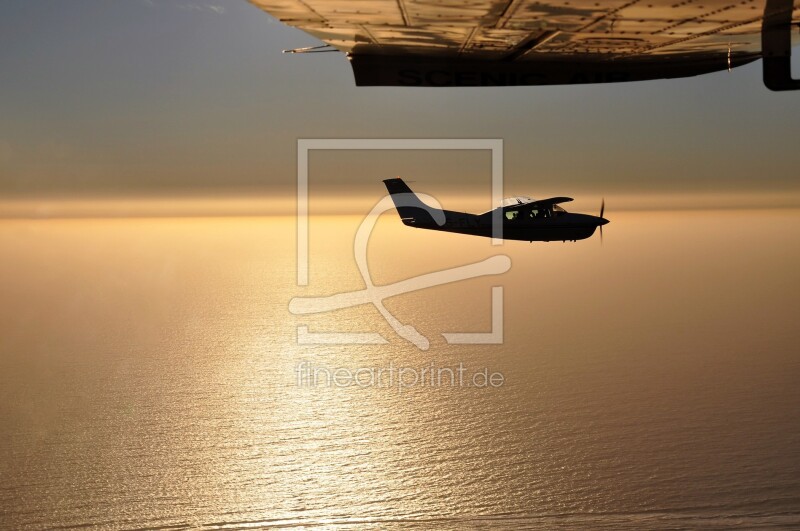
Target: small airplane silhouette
(523, 218)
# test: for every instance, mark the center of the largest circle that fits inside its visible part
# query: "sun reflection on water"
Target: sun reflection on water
(149, 377)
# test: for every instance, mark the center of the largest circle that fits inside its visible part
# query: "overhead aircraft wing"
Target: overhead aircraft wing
(545, 42)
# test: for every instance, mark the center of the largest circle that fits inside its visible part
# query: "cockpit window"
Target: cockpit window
(512, 214)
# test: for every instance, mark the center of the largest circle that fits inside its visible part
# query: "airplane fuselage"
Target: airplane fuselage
(523, 218)
(565, 226)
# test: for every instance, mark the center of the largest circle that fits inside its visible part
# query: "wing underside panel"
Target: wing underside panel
(529, 29)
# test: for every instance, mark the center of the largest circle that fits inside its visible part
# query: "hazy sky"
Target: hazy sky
(140, 97)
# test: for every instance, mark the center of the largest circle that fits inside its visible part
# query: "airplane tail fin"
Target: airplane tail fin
(411, 209)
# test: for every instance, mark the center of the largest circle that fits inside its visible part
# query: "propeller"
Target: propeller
(602, 210)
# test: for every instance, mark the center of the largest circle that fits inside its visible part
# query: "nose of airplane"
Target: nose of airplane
(602, 221)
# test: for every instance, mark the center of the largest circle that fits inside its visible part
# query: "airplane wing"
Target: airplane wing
(551, 201)
(544, 42)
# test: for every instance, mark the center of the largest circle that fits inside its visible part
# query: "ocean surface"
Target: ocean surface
(152, 376)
